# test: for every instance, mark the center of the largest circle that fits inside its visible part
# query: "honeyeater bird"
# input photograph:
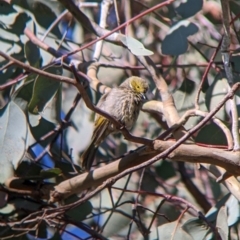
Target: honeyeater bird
(123, 103)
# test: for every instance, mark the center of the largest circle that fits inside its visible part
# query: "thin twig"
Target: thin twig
(92, 27)
(37, 71)
(177, 223)
(210, 63)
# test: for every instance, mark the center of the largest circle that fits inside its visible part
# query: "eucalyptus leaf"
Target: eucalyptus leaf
(66, 168)
(20, 23)
(135, 46)
(80, 212)
(234, 7)
(211, 215)
(6, 9)
(52, 111)
(50, 173)
(184, 99)
(28, 168)
(24, 94)
(13, 139)
(8, 209)
(233, 210)
(215, 93)
(34, 119)
(189, 8)
(175, 43)
(196, 228)
(119, 220)
(8, 73)
(173, 231)
(43, 91)
(21, 203)
(211, 134)
(221, 224)
(44, 127)
(32, 53)
(45, 15)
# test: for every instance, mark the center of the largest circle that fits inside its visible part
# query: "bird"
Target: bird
(124, 104)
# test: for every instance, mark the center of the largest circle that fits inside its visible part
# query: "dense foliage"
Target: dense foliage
(176, 175)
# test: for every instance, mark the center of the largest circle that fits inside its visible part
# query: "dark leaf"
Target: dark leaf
(175, 42)
(79, 213)
(32, 53)
(189, 8)
(50, 173)
(44, 91)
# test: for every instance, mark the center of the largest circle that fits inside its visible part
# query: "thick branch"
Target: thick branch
(185, 153)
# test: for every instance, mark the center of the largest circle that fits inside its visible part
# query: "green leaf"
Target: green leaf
(166, 170)
(14, 22)
(41, 129)
(29, 205)
(196, 228)
(44, 91)
(189, 8)
(222, 225)
(28, 168)
(50, 173)
(215, 93)
(32, 53)
(52, 112)
(20, 23)
(117, 221)
(173, 231)
(8, 209)
(10, 72)
(13, 139)
(24, 94)
(135, 46)
(212, 213)
(45, 14)
(184, 99)
(66, 168)
(234, 6)
(34, 119)
(6, 9)
(233, 210)
(80, 212)
(175, 42)
(211, 134)
(7, 15)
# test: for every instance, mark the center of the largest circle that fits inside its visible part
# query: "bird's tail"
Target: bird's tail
(100, 132)
(88, 155)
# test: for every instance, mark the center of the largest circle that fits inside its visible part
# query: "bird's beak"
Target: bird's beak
(143, 96)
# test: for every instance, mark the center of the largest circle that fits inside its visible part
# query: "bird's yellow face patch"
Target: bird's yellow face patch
(138, 85)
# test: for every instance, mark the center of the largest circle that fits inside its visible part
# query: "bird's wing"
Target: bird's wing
(101, 130)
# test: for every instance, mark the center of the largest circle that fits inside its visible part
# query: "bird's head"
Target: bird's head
(137, 85)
